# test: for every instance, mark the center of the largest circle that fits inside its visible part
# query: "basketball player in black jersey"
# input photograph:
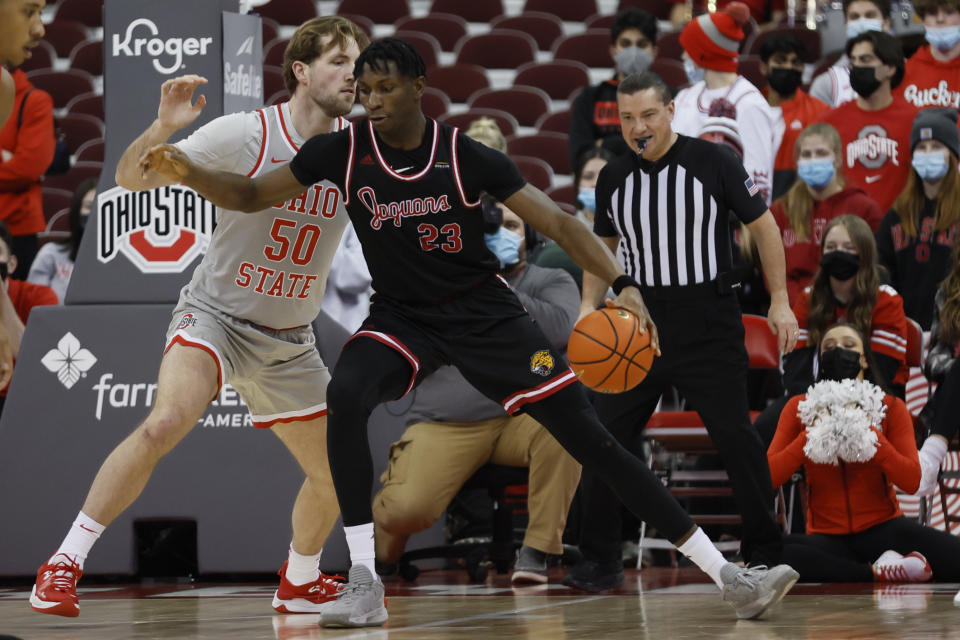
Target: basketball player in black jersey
(412, 188)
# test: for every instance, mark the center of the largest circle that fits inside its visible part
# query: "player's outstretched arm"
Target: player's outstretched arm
(780, 317)
(226, 190)
(176, 111)
(7, 95)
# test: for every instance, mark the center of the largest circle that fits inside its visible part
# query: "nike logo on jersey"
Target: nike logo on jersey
(404, 169)
(871, 179)
(275, 161)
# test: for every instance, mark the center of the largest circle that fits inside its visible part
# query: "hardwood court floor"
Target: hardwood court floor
(661, 604)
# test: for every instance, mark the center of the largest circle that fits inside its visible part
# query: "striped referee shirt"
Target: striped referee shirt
(673, 215)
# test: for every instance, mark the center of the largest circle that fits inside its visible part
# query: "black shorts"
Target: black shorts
(486, 333)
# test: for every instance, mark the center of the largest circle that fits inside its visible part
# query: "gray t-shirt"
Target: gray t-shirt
(52, 267)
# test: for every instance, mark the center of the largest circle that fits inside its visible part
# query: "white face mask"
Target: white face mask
(694, 72)
(856, 27)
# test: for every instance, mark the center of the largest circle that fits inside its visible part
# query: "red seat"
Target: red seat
(668, 46)
(671, 71)
(425, 44)
(558, 78)
(471, 11)
(569, 10)
(659, 9)
(63, 86)
(526, 104)
(434, 103)
(558, 121)
(549, 146)
(365, 23)
(545, 28)
(90, 104)
(277, 98)
(58, 227)
(749, 68)
(600, 21)
(507, 123)
(87, 12)
(534, 170)
(54, 200)
(79, 128)
(91, 151)
(64, 35)
(459, 81)
(447, 28)
(592, 48)
(41, 57)
(272, 80)
(809, 37)
(273, 52)
(270, 29)
(77, 174)
(88, 56)
(288, 12)
(500, 49)
(380, 11)
(567, 194)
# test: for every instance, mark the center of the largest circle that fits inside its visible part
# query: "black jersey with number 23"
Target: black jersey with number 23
(416, 212)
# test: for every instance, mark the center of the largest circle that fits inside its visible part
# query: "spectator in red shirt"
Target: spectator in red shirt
(20, 29)
(817, 196)
(875, 128)
(933, 72)
(783, 56)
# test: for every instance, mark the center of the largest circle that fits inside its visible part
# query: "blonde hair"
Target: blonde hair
(487, 131)
(911, 201)
(307, 45)
(797, 202)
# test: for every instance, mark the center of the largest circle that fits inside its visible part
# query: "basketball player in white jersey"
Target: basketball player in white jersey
(245, 316)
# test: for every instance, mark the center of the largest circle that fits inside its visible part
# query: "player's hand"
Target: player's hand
(167, 160)
(631, 300)
(177, 109)
(783, 323)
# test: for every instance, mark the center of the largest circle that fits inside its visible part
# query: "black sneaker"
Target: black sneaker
(595, 576)
(530, 567)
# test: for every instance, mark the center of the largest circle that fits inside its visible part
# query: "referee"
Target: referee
(666, 205)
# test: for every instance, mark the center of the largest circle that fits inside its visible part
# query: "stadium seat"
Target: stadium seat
(277, 98)
(272, 80)
(79, 128)
(749, 68)
(825, 63)
(447, 28)
(88, 56)
(62, 85)
(659, 9)
(567, 194)
(668, 46)
(534, 170)
(54, 200)
(90, 104)
(600, 21)
(592, 48)
(545, 28)
(64, 35)
(87, 12)
(671, 71)
(270, 29)
(288, 12)
(809, 37)
(500, 49)
(550, 146)
(361, 21)
(91, 151)
(435, 103)
(459, 81)
(380, 11)
(526, 104)
(41, 57)
(558, 78)
(273, 52)
(507, 123)
(58, 228)
(77, 174)
(558, 121)
(568, 10)
(425, 44)
(471, 10)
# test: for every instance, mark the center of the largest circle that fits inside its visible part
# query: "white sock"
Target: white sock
(302, 569)
(704, 554)
(362, 551)
(84, 532)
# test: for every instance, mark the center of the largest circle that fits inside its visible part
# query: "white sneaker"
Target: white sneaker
(753, 591)
(360, 603)
(893, 567)
(956, 599)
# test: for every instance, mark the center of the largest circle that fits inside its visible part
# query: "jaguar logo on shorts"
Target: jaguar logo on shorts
(188, 320)
(541, 363)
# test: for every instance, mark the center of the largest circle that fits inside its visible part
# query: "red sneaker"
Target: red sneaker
(55, 591)
(305, 598)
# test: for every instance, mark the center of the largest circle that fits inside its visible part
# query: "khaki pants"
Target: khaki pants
(432, 460)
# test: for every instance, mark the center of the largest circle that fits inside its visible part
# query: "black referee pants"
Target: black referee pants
(701, 337)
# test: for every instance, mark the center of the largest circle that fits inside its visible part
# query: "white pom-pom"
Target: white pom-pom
(838, 416)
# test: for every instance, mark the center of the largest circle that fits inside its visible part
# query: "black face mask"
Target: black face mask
(864, 81)
(842, 265)
(839, 364)
(784, 80)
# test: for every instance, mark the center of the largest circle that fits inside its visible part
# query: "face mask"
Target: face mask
(694, 73)
(588, 198)
(864, 80)
(839, 364)
(816, 173)
(842, 265)
(929, 165)
(632, 60)
(943, 38)
(785, 81)
(505, 245)
(856, 27)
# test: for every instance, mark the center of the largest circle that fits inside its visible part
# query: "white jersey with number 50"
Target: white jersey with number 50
(268, 267)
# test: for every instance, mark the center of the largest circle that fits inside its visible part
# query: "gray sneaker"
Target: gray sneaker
(753, 591)
(360, 603)
(531, 566)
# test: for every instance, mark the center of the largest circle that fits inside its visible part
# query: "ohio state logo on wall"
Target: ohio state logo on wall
(162, 230)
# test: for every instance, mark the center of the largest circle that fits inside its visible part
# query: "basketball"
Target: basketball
(608, 352)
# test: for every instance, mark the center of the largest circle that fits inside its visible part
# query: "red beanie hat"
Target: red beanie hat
(712, 39)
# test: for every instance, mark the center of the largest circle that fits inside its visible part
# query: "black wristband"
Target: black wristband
(623, 281)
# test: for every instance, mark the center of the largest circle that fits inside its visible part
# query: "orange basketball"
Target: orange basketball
(608, 352)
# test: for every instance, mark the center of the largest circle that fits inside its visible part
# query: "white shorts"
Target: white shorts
(278, 373)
